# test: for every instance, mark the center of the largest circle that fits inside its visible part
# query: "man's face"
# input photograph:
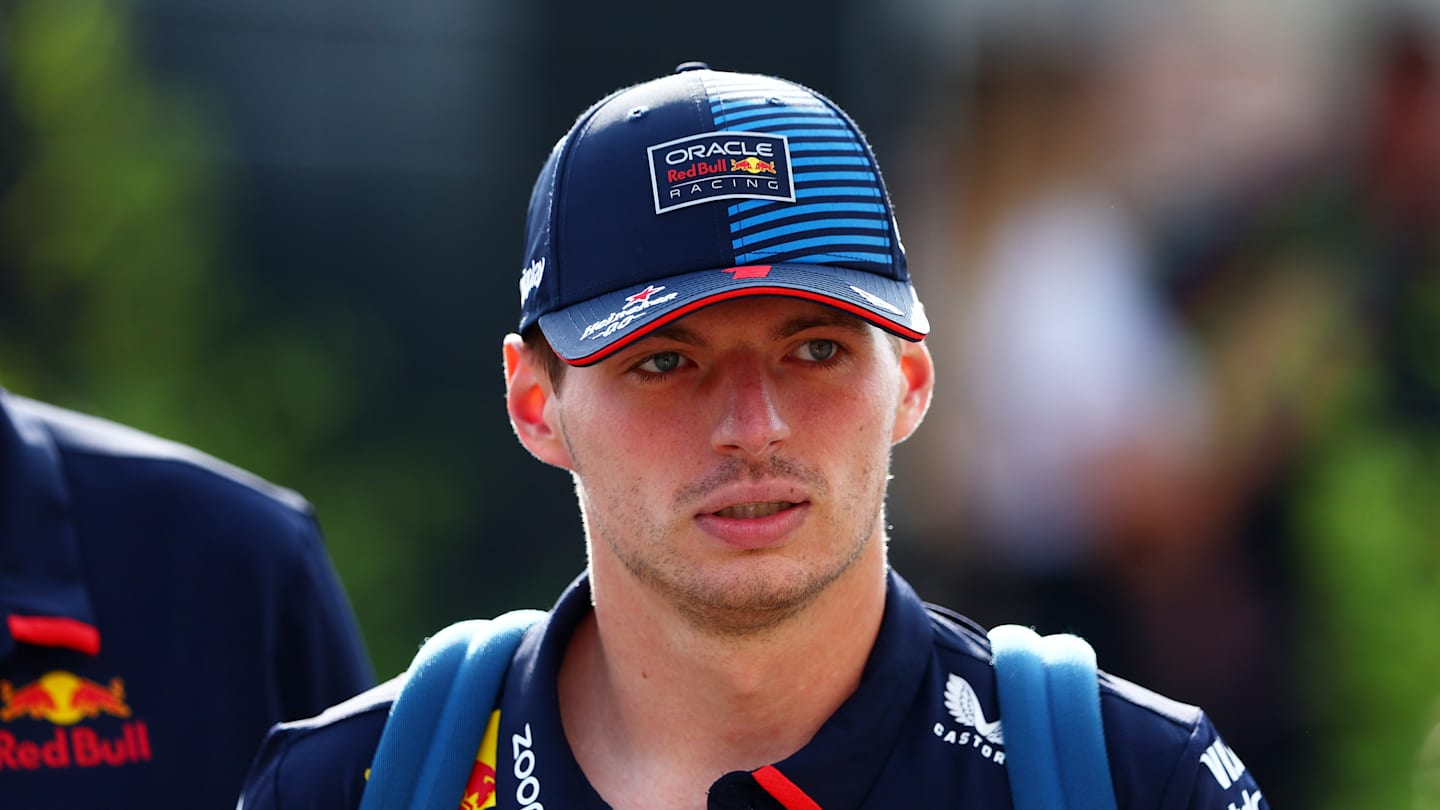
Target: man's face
(734, 463)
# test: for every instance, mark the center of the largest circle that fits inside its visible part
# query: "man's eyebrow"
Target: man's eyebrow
(678, 333)
(836, 320)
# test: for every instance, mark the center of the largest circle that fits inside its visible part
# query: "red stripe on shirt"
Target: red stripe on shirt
(777, 785)
(53, 631)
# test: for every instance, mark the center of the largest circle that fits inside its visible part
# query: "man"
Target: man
(159, 611)
(718, 338)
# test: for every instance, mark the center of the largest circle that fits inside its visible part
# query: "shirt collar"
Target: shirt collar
(837, 767)
(530, 707)
(840, 764)
(43, 597)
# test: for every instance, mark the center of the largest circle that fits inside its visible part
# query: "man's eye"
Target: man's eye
(818, 351)
(661, 363)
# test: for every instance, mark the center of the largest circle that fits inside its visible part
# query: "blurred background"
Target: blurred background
(1182, 260)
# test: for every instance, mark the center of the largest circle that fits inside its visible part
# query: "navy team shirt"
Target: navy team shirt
(159, 611)
(920, 731)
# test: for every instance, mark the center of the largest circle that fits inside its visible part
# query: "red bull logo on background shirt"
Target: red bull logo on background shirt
(719, 166)
(65, 702)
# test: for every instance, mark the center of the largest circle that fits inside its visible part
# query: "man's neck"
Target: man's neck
(656, 709)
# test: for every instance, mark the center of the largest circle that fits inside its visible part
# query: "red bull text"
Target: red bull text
(78, 747)
(697, 170)
(64, 700)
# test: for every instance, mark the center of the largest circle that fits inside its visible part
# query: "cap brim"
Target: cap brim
(588, 332)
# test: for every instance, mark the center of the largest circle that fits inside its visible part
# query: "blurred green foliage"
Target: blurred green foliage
(1369, 504)
(114, 242)
(121, 295)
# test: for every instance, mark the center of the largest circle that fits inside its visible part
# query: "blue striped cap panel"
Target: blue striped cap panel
(840, 215)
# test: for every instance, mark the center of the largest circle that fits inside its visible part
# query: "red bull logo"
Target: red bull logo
(64, 700)
(752, 165)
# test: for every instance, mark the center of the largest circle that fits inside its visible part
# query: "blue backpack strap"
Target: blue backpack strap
(1030, 755)
(1050, 707)
(1075, 711)
(430, 739)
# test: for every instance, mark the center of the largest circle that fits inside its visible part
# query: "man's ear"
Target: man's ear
(917, 383)
(530, 400)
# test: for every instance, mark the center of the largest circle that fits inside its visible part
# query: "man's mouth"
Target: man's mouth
(749, 511)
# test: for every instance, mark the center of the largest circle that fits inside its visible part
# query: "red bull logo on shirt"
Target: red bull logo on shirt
(65, 700)
(720, 166)
(480, 788)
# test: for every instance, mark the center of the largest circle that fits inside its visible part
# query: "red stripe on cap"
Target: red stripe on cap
(748, 271)
(783, 790)
(742, 292)
(53, 631)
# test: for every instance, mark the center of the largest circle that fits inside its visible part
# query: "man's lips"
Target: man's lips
(754, 517)
(749, 511)
(751, 501)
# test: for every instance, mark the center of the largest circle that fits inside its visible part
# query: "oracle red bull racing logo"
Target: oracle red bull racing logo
(719, 166)
(65, 701)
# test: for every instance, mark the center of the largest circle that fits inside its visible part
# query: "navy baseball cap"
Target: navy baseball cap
(700, 187)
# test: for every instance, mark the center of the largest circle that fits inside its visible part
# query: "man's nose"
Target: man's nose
(750, 420)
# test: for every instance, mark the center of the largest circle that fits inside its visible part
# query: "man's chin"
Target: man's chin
(749, 602)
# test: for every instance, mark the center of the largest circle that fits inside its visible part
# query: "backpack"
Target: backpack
(1049, 703)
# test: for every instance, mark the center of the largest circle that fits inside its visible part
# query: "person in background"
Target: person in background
(159, 610)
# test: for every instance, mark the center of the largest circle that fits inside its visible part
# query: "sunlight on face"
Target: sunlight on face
(736, 467)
